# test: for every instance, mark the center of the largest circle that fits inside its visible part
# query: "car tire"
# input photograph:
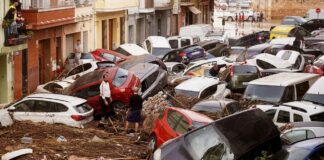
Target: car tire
(152, 143)
(230, 19)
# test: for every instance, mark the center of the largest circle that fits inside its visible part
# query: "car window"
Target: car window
(105, 64)
(44, 106)
(191, 49)
(178, 68)
(25, 106)
(183, 126)
(264, 64)
(120, 77)
(80, 69)
(271, 113)
(283, 117)
(244, 69)
(173, 118)
(295, 136)
(86, 56)
(83, 108)
(208, 91)
(286, 55)
(94, 90)
(318, 117)
(298, 118)
(318, 154)
(53, 87)
(110, 57)
(264, 93)
(289, 94)
(57, 107)
(148, 46)
(174, 43)
(298, 62)
(301, 89)
(83, 93)
(185, 42)
(172, 56)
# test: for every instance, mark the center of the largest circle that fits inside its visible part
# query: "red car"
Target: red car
(121, 83)
(175, 122)
(108, 55)
(317, 67)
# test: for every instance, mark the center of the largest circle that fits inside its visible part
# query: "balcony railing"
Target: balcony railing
(144, 4)
(46, 4)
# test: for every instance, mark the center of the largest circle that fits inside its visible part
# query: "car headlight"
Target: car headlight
(157, 154)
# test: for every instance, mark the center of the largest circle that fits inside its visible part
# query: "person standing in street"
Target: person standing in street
(261, 17)
(105, 97)
(135, 110)
(77, 52)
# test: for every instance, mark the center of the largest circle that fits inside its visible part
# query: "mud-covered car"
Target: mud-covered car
(134, 60)
(243, 135)
(215, 106)
(215, 48)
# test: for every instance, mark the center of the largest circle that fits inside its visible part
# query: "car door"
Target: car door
(42, 112)
(283, 117)
(60, 113)
(167, 130)
(297, 135)
(23, 109)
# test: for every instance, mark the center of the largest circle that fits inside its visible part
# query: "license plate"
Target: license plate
(245, 83)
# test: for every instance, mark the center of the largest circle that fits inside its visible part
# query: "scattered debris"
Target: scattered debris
(61, 139)
(96, 139)
(26, 140)
(15, 154)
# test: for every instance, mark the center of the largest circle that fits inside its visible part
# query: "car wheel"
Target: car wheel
(152, 143)
(230, 19)
(250, 18)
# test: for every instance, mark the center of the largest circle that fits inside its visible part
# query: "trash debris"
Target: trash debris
(26, 140)
(96, 139)
(5, 118)
(15, 154)
(61, 139)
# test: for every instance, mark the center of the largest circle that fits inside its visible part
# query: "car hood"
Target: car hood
(195, 85)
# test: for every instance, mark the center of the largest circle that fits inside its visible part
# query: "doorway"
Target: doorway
(44, 61)
(24, 72)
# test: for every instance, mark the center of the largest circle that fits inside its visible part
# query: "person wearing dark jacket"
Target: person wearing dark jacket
(214, 71)
(135, 110)
(9, 24)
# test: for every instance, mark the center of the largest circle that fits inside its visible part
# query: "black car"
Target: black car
(215, 48)
(313, 24)
(251, 39)
(243, 135)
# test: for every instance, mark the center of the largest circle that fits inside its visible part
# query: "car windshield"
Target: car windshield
(196, 124)
(191, 49)
(244, 69)
(160, 52)
(264, 93)
(83, 108)
(316, 98)
(120, 77)
(86, 56)
(207, 144)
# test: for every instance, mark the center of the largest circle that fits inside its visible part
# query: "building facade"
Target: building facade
(162, 17)
(13, 62)
(277, 9)
(56, 26)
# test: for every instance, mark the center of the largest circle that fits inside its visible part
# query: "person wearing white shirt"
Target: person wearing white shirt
(77, 52)
(105, 97)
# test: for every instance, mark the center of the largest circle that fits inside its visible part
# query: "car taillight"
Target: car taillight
(78, 117)
(317, 71)
(182, 54)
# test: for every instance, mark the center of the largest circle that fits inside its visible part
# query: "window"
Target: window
(86, 56)
(298, 62)
(178, 68)
(25, 106)
(271, 113)
(298, 118)
(56, 107)
(283, 117)
(301, 89)
(185, 42)
(120, 77)
(110, 57)
(43, 106)
(148, 46)
(264, 65)
(83, 108)
(289, 94)
(94, 90)
(183, 126)
(208, 91)
(173, 118)
(244, 69)
(81, 93)
(174, 43)
(295, 136)
(53, 87)
(80, 69)
(318, 117)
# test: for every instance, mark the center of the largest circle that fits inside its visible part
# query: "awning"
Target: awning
(194, 10)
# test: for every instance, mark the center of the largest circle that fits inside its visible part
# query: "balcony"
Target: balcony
(162, 4)
(114, 5)
(83, 10)
(146, 4)
(41, 14)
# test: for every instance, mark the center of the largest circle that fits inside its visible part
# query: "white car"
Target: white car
(221, 36)
(157, 46)
(52, 109)
(292, 112)
(199, 87)
(87, 68)
(302, 131)
(179, 42)
(56, 86)
(130, 49)
(70, 60)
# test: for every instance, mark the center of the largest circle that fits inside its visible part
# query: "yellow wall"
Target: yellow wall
(116, 27)
(115, 4)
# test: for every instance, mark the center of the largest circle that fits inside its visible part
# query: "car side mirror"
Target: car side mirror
(11, 109)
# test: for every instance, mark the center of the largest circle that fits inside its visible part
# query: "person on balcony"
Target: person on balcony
(17, 17)
(9, 24)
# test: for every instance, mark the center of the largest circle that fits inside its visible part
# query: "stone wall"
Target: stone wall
(277, 9)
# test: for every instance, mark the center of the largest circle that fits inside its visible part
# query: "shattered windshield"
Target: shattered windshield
(206, 144)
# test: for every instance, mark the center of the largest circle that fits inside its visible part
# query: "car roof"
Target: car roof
(273, 60)
(317, 87)
(197, 84)
(69, 100)
(283, 28)
(283, 41)
(159, 41)
(307, 124)
(134, 49)
(194, 116)
(309, 107)
(283, 79)
(202, 43)
(259, 46)
(141, 70)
